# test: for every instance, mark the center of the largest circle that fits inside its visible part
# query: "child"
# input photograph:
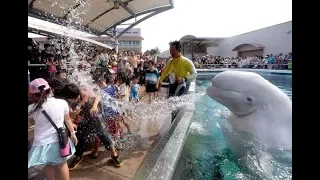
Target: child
(89, 126)
(45, 148)
(122, 81)
(107, 85)
(134, 90)
(151, 81)
(110, 112)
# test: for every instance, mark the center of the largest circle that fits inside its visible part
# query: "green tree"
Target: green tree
(154, 51)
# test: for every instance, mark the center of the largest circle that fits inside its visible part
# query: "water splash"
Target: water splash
(148, 119)
(254, 157)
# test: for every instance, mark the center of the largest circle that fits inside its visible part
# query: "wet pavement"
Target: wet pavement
(133, 155)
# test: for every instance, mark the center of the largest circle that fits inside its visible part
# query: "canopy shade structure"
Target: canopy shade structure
(46, 28)
(98, 17)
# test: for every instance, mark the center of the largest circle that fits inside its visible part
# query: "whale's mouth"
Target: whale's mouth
(248, 113)
(221, 94)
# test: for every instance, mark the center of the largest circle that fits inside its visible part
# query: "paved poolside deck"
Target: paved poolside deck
(102, 168)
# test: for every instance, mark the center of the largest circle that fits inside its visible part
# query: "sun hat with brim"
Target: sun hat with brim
(35, 85)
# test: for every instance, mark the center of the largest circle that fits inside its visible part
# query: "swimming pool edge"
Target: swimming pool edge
(167, 161)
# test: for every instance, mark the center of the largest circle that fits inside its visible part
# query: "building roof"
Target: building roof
(200, 40)
(96, 16)
(164, 54)
(127, 38)
(252, 46)
(44, 28)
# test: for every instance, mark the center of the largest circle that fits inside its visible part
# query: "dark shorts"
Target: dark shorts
(135, 71)
(151, 88)
(172, 90)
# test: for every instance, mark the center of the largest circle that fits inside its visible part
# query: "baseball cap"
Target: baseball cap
(35, 84)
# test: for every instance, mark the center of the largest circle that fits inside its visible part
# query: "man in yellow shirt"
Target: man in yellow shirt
(179, 69)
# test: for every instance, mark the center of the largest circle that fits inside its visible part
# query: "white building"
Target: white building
(129, 41)
(270, 40)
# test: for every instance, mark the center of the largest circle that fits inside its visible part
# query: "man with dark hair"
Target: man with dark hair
(180, 70)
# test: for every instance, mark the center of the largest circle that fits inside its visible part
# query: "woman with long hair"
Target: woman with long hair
(45, 149)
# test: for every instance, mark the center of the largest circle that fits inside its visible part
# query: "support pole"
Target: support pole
(116, 45)
(183, 49)
(116, 41)
(191, 50)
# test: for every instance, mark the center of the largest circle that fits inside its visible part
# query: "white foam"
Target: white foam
(197, 127)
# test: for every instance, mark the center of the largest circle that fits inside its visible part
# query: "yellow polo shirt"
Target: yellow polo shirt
(181, 67)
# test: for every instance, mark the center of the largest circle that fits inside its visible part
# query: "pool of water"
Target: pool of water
(206, 154)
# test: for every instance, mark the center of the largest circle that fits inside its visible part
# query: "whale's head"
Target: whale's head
(242, 92)
(257, 106)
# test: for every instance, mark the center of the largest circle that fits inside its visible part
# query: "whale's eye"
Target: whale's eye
(250, 99)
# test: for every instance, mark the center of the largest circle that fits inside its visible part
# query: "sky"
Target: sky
(212, 18)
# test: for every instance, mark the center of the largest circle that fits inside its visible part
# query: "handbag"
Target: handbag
(64, 141)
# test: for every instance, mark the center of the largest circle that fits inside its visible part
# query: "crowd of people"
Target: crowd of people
(68, 118)
(271, 61)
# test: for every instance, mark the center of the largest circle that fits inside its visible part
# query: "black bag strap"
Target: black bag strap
(50, 120)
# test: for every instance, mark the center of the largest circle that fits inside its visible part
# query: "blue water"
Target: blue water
(206, 154)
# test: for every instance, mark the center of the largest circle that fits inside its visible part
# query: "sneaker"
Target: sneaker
(117, 160)
(75, 163)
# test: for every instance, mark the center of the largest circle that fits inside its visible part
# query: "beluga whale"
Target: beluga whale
(257, 106)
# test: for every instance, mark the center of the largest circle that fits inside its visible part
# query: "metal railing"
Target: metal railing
(34, 65)
(249, 66)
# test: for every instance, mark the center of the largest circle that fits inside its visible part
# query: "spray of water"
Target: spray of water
(254, 157)
(145, 119)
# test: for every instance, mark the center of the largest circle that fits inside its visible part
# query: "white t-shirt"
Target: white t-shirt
(44, 132)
